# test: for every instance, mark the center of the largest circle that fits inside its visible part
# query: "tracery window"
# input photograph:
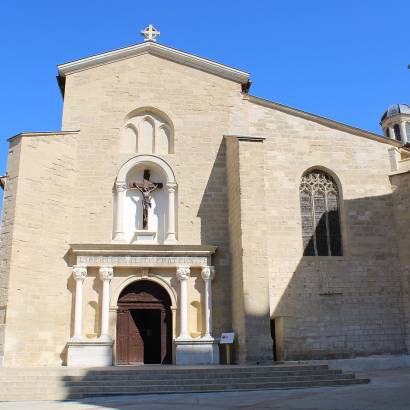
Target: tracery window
(319, 202)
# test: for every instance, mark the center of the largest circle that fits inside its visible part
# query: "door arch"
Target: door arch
(144, 324)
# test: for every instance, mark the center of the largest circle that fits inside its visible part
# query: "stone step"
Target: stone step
(161, 389)
(210, 375)
(153, 369)
(147, 382)
(146, 374)
(165, 375)
(5, 373)
(68, 383)
(212, 381)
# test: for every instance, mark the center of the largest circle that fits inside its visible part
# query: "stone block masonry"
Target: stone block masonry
(240, 194)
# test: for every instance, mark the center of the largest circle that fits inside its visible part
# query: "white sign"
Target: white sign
(227, 338)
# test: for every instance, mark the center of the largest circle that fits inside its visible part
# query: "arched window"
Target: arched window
(388, 132)
(397, 133)
(319, 202)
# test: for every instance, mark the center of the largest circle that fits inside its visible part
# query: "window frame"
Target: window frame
(340, 214)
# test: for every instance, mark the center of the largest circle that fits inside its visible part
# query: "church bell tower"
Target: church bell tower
(395, 123)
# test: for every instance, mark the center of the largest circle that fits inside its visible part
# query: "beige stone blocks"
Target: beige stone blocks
(241, 195)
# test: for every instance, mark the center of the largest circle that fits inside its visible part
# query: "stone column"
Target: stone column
(392, 134)
(403, 132)
(106, 274)
(208, 273)
(183, 275)
(121, 189)
(79, 274)
(171, 231)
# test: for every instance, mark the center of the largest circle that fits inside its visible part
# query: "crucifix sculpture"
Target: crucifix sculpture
(146, 187)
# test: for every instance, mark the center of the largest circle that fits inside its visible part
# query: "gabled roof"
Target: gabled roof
(150, 47)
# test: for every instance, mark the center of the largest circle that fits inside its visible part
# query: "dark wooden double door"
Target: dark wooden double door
(144, 325)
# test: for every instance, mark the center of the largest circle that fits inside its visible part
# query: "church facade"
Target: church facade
(174, 206)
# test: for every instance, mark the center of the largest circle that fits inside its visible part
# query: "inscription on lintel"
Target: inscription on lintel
(90, 260)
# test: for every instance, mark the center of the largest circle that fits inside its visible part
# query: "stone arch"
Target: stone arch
(160, 140)
(146, 135)
(139, 159)
(326, 171)
(144, 323)
(129, 138)
(131, 279)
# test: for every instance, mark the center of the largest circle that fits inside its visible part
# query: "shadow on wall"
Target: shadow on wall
(213, 212)
(324, 306)
(342, 306)
(330, 307)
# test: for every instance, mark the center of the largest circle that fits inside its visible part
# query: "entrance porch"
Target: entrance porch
(153, 304)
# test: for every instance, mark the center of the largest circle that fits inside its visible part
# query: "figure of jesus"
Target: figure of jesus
(146, 187)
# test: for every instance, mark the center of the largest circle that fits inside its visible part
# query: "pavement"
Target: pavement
(388, 390)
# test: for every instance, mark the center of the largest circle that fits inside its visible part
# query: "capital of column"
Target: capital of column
(106, 273)
(79, 273)
(208, 272)
(172, 186)
(183, 272)
(120, 186)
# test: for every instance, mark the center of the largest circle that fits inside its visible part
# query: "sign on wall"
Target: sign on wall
(227, 338)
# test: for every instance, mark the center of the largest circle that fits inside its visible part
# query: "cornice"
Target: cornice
(243, 137)
(322, 120)
(40, 133)
(394, 119)
(159, 50)
(159, 250)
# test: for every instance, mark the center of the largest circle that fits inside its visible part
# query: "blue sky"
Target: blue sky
(346, 60)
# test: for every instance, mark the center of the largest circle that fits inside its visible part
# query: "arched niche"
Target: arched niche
(129, 206)
(147, 130)
(195, 318)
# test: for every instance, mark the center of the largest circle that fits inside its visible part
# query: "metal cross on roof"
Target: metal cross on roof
(150, 33)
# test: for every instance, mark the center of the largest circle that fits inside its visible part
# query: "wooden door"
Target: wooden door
(130, 347)
(122, 336)
(144, 325)
(135, 341)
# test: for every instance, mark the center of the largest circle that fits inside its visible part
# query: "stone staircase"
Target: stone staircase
(72, 384)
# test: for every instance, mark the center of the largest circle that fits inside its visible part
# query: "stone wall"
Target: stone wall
(250, 285)
(330, 306)
(200, 106)
(8, 215)
(245, 190)
(97, 102)
(401, 196)
(39, 297)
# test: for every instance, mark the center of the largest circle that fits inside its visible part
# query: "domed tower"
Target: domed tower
(396, 123)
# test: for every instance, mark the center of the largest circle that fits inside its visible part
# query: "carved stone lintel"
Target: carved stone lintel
(208, 272)
(79, 273)
(106, 273)
(142, 261)
(183, 272)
